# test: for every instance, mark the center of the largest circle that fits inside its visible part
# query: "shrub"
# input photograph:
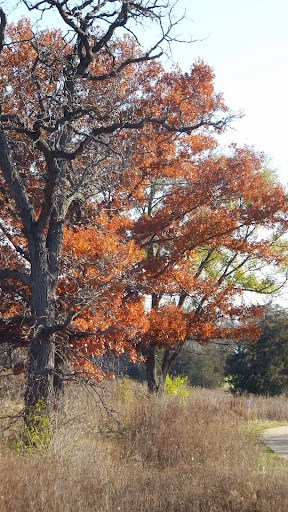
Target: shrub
(36, 432)
(177, 386)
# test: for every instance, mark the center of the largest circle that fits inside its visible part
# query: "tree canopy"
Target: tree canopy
(124, 226)
(262, 368)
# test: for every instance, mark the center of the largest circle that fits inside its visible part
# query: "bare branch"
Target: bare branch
(8, 273)
(16, 186)
(122, 66)
(3, 22)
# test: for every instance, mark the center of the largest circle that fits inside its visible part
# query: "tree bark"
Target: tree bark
(42, 347)
(44, 277)
(40, 376)
(164, 372)
(158, 385)
(151, 369)
(44, 383)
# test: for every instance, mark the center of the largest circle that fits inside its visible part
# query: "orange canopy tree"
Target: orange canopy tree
(123, 227)
(78, 113)
(211, 229)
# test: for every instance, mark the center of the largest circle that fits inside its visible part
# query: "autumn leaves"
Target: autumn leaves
(121, 207)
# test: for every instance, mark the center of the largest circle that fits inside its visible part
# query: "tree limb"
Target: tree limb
(17, 275)
(15, 183)
(3, 22)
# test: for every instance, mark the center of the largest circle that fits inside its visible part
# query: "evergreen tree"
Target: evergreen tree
(262, 368)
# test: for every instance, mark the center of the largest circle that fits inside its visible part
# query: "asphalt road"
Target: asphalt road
(277, 439)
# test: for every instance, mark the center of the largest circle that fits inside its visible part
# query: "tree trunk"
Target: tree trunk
(45, 247)
(165, 367)
(39, 391)
(151, 369)
(168, 360)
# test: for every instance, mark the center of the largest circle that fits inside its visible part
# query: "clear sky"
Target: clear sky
(246, 42)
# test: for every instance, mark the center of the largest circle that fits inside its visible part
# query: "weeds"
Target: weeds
(36, 433)
(200, 454)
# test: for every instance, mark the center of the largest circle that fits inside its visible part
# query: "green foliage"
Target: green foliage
(177, 386)
(244, 272)
(36, 432)
(262, 368)
(203, 365)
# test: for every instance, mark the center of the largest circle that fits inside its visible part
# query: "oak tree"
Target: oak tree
(124, 227)
(74, 107)
(212, 230)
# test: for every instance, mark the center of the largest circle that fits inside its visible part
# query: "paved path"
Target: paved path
(277, 439)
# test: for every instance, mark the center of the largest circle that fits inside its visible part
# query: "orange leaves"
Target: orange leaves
(186, 98)
(149, 212)
(168, 326)
(22, 68)
(100, 249)
(114, 315)
(88, 370)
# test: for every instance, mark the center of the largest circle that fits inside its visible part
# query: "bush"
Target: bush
(36, 433)
(177, 386)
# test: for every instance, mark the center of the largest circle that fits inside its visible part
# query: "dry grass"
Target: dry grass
(166, 455)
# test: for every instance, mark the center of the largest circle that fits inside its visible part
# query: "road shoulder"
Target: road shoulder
(277, 440)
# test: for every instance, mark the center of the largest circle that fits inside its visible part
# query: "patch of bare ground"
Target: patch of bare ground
(163, 454)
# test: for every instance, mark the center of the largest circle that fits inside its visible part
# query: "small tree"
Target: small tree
(262, 368)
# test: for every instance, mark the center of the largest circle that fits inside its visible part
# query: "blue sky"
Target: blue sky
(246, 42)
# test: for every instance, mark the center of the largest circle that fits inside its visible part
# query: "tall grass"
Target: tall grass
(166, 454)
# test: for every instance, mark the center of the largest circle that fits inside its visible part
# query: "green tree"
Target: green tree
(262, 368)
(203, 365)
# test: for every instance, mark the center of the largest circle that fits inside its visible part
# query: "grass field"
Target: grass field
(197, 454)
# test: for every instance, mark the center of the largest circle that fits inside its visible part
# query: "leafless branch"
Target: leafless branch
(3, 22)
(8, 273)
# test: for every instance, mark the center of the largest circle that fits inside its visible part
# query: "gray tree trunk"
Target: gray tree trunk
(42, 346)
(158, 385)
(151, 369)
